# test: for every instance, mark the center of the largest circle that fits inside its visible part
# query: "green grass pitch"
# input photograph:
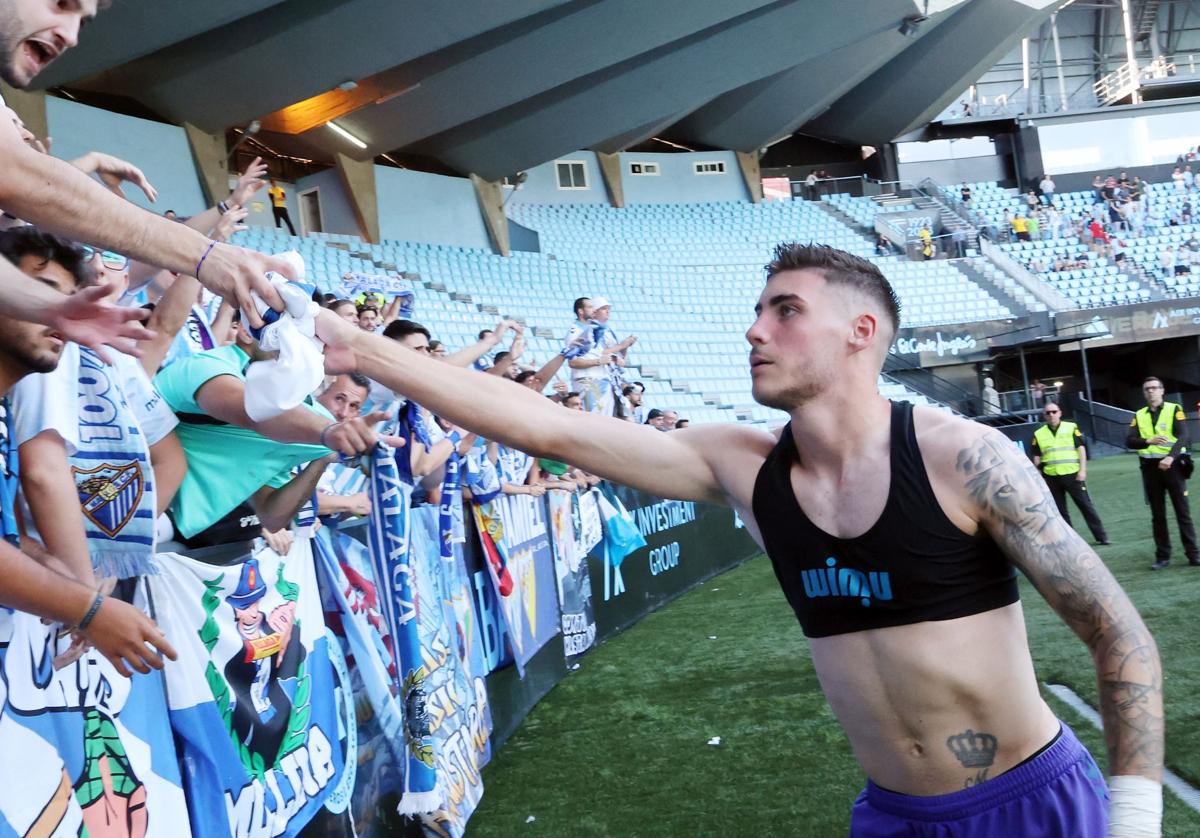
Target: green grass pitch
(619, 748)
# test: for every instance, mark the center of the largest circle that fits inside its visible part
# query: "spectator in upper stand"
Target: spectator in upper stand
(883, 246)
(1048, 190)
(1166, 262)
(606, 338)
(1189, 179)
(669, 419)
(279, 208)
(959, 238)
(1119, 249)
(589, 373)
(1097, 190)
(810, 186)
(1099, 235)
(1177, 177)
(634, 407)
(964, 193)
(655, 419)
(1185, 212)
(1137, 190)
(928, 251)
(1034, 225)
(368, 319)
(1020, 228)
(1031, 201)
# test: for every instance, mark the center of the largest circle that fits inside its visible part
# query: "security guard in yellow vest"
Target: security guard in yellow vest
(1159, 434)
(1060, 453)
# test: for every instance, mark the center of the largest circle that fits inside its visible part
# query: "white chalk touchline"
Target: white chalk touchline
(1186, 792)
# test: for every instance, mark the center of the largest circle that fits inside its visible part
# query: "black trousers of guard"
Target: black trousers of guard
(1062, 485)
(281, 214)
(1159, 485)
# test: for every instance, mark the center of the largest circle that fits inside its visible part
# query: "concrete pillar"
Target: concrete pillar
(491, 207)
(30, 106)
(209, 154)
(358, 176)
(751, 173)
(610, 168)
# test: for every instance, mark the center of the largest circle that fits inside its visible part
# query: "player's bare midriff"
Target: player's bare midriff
(933, 708)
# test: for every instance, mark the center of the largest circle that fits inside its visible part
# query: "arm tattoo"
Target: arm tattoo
(1020, 514)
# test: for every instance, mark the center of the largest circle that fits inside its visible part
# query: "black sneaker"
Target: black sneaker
(1104, 542)
(1194, 561)
(1160, 564)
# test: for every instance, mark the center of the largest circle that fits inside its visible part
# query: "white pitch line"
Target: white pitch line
(1186, 792)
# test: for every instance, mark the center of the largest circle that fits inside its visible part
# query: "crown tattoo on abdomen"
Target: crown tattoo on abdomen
(973, 750)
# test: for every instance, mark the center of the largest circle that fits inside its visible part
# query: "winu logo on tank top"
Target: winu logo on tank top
(832, 580)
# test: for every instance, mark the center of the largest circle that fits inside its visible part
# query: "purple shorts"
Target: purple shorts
(1060, 792)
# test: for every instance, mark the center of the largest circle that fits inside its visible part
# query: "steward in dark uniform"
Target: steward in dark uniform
(1058, 450)
(1159, 435)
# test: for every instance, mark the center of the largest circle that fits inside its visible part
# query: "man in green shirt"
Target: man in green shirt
(233, 459)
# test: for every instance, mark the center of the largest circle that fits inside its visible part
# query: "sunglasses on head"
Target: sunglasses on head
(110, 260)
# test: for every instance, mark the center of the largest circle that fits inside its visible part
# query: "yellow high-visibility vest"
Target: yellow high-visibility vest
(1059, 451)
(1165, 427)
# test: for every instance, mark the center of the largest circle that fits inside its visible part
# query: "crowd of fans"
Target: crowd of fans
(106, 455)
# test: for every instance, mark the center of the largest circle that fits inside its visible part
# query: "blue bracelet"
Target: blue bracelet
(207, 251)
(87, 618)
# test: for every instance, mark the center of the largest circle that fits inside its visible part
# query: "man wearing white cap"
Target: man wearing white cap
(590, 371)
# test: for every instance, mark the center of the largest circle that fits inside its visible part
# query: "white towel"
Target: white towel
(275, 386)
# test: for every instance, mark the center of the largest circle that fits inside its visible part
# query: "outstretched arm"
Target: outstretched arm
(675, 465)
(1014, 504)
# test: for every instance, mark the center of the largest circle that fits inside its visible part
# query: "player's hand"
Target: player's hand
(1165, 463)
(234, 272)
(124, 635)
(250, 182)
(82, 318)
(338, 337)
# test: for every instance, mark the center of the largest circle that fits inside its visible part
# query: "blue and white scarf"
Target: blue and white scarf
(481, 476)
(8, 476)
(388, 544)
(112, 474)
(451, 502)
(195, 336)
(604, 337)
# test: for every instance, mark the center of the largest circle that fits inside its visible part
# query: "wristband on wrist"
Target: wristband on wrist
(207, 251)
(326, 430)
(222, 207)
(91, 612)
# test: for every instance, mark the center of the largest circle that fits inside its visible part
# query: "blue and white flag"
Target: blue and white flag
(359, 286)
(87, 751)
(252, 697)
(388, 542)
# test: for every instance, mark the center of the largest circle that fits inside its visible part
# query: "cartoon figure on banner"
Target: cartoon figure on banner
(44, 679)
(264, 676)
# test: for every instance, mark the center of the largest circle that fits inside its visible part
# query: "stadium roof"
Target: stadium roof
(492, 88)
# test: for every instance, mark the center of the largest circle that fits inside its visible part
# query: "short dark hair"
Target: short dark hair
(839, 268)
(483, 332)
(500, 356)
(400, 329)
(579, 303)
(654, 413)
(1150, 378)
(524, 375)
(571, 395)
(434, 344)
(19, 242)
(359, 379)
(364, 309)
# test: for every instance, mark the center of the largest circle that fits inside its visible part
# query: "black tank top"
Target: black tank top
(912, 566)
